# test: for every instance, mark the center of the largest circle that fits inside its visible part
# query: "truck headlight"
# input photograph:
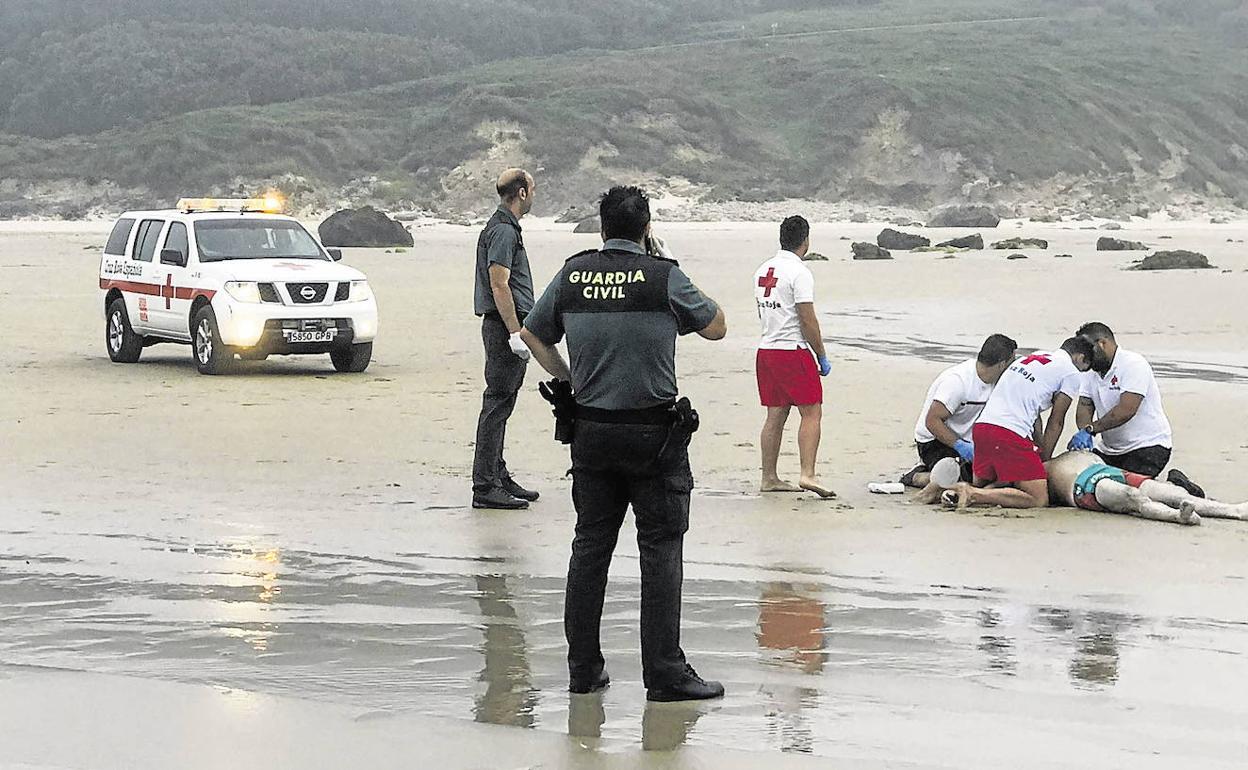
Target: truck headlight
(243, 291)
(360, 291)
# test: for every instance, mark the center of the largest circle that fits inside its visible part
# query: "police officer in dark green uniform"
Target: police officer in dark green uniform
(621, 309)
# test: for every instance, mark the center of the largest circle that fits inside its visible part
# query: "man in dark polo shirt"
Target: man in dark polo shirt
(621, 310)
(503, 297)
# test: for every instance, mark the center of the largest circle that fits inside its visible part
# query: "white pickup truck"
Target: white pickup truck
(231, 277)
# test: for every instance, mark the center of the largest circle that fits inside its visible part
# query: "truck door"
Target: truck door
(138, 284)
(173, 303)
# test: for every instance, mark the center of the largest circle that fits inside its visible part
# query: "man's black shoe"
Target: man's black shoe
(1180, 479)
(515, 490)
(586, 686)
(497, 499)
(689, 687)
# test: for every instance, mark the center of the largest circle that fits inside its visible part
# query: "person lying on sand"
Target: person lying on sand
(1080, 479)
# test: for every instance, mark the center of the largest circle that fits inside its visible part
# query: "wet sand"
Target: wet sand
(304, 537)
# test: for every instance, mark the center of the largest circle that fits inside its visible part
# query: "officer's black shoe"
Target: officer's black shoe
(497, 499)
(689, 687)
(1180, 479)
(515, 490)
(586, 686)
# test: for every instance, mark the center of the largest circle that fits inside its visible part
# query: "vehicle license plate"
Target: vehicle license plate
(322, 336)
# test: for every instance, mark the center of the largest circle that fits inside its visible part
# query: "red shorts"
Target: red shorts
(788, 378)
(1003, 455)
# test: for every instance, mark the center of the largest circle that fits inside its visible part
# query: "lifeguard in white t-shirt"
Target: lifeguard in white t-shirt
(953, 404)
(1120, 413)
(1011, 444)
(791, 357)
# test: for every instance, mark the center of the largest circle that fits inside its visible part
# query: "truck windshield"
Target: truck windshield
(243, 238)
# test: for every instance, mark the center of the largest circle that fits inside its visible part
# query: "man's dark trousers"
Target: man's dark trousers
(614, 466)
(504, 375)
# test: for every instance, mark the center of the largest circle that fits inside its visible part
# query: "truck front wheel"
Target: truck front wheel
(352, 359)
(211, 354)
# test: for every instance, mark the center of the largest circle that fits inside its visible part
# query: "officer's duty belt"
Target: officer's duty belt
(657, 415)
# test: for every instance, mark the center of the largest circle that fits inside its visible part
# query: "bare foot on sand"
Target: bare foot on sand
(1187, 513)
(778, 485)
(929, 495)
(813, 485)
(959, 497)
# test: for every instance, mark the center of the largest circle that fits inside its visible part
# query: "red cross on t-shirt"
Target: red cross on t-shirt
(1043, 359)
(769, 281)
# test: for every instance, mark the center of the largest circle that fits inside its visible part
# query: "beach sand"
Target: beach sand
(306, 536)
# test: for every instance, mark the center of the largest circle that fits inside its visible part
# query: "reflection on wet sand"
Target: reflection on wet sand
(792, 622)
(402, 634)
(1096, 637)
(586, 716)
(997, 647)
(509, 697)
(668, 726)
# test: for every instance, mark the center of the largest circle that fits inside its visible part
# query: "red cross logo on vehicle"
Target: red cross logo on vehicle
(1036, 357)
(291, 265)
(166, 291)
(769, 281)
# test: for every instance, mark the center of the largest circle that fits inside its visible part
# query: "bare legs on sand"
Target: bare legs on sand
(808, 435)
(1159, 501)
(1027, 494)
(1117, 497)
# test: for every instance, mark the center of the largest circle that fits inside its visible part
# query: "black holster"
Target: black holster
(559, 394)
(685, 423)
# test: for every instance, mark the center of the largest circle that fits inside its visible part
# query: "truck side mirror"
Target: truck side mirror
(335, 254)
(172, 257)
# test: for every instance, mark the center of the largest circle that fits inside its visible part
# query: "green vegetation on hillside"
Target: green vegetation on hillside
(906, 112)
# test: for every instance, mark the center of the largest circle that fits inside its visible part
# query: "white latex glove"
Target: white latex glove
(661, 247)
(518, 347)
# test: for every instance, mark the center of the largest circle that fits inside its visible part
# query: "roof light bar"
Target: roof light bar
(269, 204)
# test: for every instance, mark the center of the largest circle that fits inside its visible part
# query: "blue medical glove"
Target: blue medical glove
(1082, 441)
(825, 366)
(965, 450)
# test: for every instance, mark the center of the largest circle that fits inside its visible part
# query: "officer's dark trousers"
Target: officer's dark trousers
(504, 374)
(614, 466)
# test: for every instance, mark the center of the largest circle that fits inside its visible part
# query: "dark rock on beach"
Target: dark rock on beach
(964, 216)
(1017, 256)
(870, 251)
(894, 239)
(975, 241)
(1115, 244)
(814, 256)
(590, 225)
(1174, 260)
(575, 214)
(363, 227)
(1021, 243)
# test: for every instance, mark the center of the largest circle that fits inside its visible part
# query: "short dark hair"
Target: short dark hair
(1078, 345)
(510, 188)
(793, 233)
(997, 349)
(625, 212)
(1095, 331)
